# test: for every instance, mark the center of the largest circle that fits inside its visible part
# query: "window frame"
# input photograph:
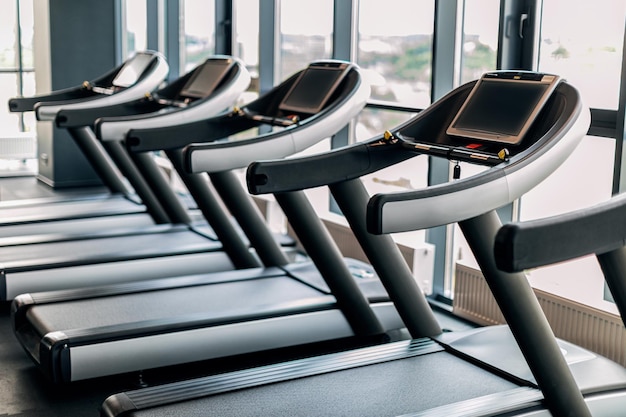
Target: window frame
(20, 70)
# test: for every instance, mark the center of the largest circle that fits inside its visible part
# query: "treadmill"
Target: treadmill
(94, 252)
(79, 334)
(194, 92)
(599, 230)
(191, 97)
(512, 370)
(141, 73)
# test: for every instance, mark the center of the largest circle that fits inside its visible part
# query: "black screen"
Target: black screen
(205, 79)
(312, 89)
(501, 107)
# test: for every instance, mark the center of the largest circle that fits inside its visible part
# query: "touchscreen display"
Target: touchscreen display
(206, 78)
(502, 109)
(313, 88)
(132, 70)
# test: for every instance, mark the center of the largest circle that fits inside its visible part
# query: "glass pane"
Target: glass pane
(246, 15)
(583, 41)
(8, 36)
(584, 179)
(199, 32)
(397, 48)
(26, 32)
(480, 38)
(305, 34)
(136, 26)
(404, 176)
(373, 122)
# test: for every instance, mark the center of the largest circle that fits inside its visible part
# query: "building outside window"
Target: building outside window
(198, 33)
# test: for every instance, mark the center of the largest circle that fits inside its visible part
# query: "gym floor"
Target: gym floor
(24, 391)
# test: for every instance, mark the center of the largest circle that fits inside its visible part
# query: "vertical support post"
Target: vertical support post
(158, 188)
(321, 248)
(224, 27)
(153, 17)
(529, 326)
(268, 44)
(385, 257)
(197, 185)
(136, 179)
(101, 163)
(249, 217)
(173, 37)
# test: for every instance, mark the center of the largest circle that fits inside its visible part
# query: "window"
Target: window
(480, 38)
(583, 42)
(395, 52)
(16, 63)
(397, 49)
(246, 17)
(198, 32)
(583, 180)
(134, 24)
(305, 34)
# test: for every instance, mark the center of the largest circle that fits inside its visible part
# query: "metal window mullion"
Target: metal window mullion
(344, 41)
(269, 54)
(344, 48)
(20, 63)
(224, 27)
(154, 12)
(445, 70)
(173, 50)
(518, 36)
(518, 48)
(345, 31)
(619, 170)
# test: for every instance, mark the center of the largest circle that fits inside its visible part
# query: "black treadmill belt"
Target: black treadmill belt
(221, 300)
(386, 389)
(85, 251)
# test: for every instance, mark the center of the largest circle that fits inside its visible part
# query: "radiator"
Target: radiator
(20, 145)
(591, 328)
